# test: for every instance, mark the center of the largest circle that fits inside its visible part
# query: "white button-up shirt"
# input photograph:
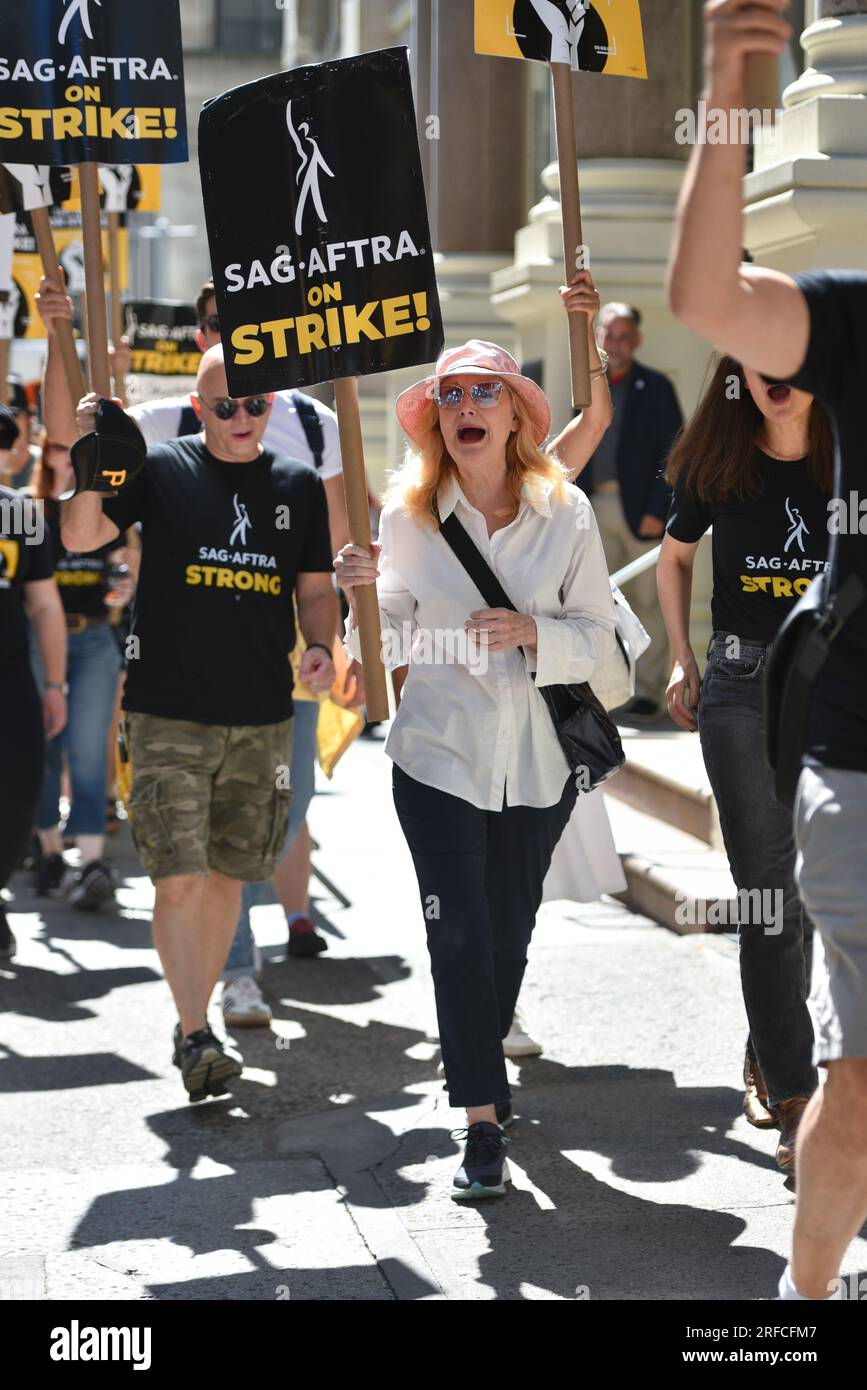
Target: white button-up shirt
(471, 722)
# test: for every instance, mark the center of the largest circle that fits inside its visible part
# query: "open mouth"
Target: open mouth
(470, 434)
(779, 393)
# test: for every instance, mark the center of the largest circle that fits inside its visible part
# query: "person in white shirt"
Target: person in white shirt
(481, 785)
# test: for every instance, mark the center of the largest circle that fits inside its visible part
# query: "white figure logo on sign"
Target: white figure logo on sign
(76, 7)
(307, 176)
(565, 33)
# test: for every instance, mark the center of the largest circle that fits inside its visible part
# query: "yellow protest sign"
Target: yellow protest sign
(27, 267)
(603, 36)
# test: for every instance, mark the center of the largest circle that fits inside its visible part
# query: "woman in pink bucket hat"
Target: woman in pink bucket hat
(481, 786)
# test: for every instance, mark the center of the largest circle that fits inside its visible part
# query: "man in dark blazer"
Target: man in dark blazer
(624, 480)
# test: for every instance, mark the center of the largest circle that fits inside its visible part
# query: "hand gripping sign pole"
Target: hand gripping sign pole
(358, 515)
(41, 221)
(324, 272)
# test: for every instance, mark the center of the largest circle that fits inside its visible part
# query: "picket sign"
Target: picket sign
(325, 272)
(575, 38)
(115, 296)
(87, 83)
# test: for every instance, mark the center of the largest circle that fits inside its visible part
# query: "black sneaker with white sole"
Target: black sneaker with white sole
(206, 1066)
(92, 886)
(7, 940)
(484, 1171)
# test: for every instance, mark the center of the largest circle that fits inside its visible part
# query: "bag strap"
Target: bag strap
(311, 424)
(475, 564)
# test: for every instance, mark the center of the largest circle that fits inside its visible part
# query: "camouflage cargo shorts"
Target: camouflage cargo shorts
(206, 796)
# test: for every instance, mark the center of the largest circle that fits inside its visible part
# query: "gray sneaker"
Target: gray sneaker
(206, 1066)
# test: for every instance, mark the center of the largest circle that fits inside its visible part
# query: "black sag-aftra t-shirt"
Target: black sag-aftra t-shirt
(25, 556)
(835, 370)
(222, 545)
(82, 578)
(767, 549)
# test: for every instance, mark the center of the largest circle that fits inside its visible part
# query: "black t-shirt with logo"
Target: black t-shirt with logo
(82, 579)
(25, 556)
(835, 370)
(222, 544)
(766, 549)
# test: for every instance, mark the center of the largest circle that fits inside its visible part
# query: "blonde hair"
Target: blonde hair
(428, 463)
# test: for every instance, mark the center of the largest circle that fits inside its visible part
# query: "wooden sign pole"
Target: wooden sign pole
(570, 202)
(64, 336)
(763, 84)
(358, 513)
(4, 371)
(94, 279)
(117, 325)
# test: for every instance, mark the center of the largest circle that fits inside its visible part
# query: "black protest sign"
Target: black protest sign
(322, 263)
(24, 187)
(92, 80)
(162, 337)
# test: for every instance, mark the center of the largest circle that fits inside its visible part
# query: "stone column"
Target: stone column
(807, 197)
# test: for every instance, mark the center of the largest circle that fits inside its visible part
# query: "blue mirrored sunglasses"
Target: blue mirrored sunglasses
(485, 394)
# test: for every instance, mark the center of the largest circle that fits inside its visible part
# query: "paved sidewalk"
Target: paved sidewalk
(327, 1174)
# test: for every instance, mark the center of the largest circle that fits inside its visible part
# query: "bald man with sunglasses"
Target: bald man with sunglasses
(230, 531)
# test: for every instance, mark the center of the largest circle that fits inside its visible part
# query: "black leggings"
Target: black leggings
(23, 743)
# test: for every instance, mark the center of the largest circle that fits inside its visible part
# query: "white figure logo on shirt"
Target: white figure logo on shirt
(307, 176)
(565, 33)
(76, 7)
(798, 528)
(242, 522)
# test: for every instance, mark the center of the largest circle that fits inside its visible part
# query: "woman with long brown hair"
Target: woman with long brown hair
(755, 463)
(481, 785)
(93, 669)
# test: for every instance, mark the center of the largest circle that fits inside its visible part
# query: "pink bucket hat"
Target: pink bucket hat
(479, 359)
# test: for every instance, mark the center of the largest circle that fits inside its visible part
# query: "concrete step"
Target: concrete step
(665, 778)
(674, 878)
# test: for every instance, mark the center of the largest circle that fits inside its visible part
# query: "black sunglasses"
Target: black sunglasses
(227, 409)
(211, 321)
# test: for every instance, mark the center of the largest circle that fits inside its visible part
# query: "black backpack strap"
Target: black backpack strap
(312, 425)
(475, 564)
(190, 422)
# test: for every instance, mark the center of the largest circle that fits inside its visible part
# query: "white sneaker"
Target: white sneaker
(243, 1005)
(518, 1043)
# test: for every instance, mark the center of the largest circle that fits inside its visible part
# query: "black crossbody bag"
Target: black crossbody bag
(587, 735)
(799, 651)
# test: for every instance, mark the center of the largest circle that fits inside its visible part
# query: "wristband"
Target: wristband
(327, 650)
(62, 686)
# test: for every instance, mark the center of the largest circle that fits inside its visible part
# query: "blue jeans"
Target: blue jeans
(305, 717)
(93, 669)
(760, 843)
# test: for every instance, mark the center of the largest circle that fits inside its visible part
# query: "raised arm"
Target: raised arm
(757, 315)
(576, 444)
(84, 525)
(58, 415)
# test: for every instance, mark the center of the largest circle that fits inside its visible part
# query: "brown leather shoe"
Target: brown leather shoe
(756, 1096)
(788, 1115)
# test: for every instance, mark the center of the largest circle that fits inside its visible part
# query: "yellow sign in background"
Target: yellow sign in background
(603, 36)
(27, 267)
